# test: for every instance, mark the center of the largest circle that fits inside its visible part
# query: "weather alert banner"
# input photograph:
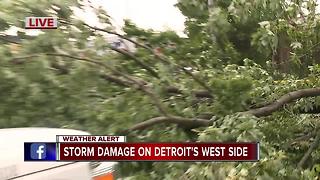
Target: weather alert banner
(158, 152)
(115, 148)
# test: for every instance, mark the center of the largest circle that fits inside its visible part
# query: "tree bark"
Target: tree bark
(281, 56)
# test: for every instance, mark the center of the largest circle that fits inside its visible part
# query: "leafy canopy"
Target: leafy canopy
(238, 56)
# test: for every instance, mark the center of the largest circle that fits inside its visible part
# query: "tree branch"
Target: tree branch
(304, 137)
(131, 81)
(314, 110)
(259, 112)
(269, 109)
(197, 93)
(67, 56)
(116, 80)
(134, 83)
(171, 90)
(313, 146)
(160, 57)
(7, 39)
(117, 34)
(173, 119)
(137, 61)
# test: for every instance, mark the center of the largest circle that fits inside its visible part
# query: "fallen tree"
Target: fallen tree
(259, 112)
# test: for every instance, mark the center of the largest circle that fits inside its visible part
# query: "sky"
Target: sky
(158, 15)
(155, 14)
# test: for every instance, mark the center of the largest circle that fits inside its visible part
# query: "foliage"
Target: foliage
(73, 78)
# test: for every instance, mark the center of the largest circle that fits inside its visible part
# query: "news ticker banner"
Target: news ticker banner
(97, 148)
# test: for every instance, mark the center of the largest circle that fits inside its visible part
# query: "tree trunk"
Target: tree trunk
(281, 56)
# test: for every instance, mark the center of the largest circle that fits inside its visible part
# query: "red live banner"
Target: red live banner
(158, 152)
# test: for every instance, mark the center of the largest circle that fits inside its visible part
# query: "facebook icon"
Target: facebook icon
(38, 151)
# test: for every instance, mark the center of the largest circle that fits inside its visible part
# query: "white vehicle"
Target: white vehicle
(13, 166)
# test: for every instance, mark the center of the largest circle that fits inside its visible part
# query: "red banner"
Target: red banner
(159, 151)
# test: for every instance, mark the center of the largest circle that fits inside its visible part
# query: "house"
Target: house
(120, 43)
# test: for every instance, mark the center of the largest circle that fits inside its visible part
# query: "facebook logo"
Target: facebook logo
(38, 151)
